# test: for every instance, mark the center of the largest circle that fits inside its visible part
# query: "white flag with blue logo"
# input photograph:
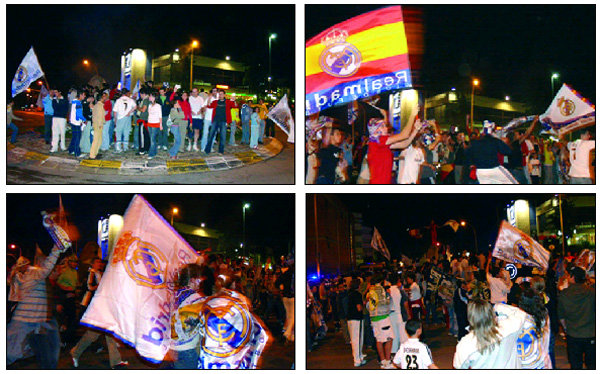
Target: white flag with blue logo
(568, 106)
(28, 71)
(514, 246)
(135, 296)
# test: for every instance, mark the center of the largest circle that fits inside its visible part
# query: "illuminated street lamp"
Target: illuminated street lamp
(227, 58)
(173, 213)
(507, 98)
(87, 63)
(552, 78)
(465, 223)
(475, 83)
(244, 207)
(271, 37)
(203, 225)
(194, 45)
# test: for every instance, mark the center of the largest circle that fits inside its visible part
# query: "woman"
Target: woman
(533, 342)
(187, 111)
(155, 124)
(178, 120)
(254, 128)
(85, 144)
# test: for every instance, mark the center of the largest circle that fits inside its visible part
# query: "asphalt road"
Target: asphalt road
(276, 170)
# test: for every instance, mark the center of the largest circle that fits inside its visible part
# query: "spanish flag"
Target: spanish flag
(360, 57)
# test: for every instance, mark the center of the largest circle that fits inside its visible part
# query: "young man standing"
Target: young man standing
(48, 114)
(581, 159)
(123, 108)
(196, 103)
(378, 305)
(330, 157)
(221, 116)
(60, 107)
(76, 120)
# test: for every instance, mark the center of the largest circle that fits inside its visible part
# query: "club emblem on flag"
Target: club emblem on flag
(339, 58)
(21, 75)
(228, 325)
(522, 247)
(566, 106)
(147, 264)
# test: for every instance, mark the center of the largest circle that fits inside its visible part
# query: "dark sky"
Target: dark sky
(64, 35)
(512, 49)
(270, 221)
(393, 214)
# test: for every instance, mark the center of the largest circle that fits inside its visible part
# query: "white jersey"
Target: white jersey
(579, 157)
(196, 104)
(413, 355)
(410, 161)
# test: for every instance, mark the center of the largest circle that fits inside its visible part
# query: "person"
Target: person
(48, 114)
(459, 158)
(246, 113)
(254, 129)
(187, 112)
(580, 159)
(14, 289)
(221, 116)
(330, 157)
(355, 323)
(197, 105)
(379, 155)
(123, 108)
(397, 313)
(10, 117)
(285, 284)
(413, 354)
(498, 281)
(460, 302)
(165, 105)
(109, 124)
(549, 160)
(76, 120)
(378, 305)
(32, 322)
(178, 120)
(98, 121)
(534, 339)
(142, 123)
(577, 315)
(67, 282)
(492, 339)
(535, 168)
(262, 113)
(235, 119)
(517, 159)
(60, 106)
(416, 308)
(155, 124)
(85, 144)
(208, 115)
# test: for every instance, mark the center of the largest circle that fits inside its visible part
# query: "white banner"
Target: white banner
(28, 71)
(514, 246)
(135, 296)
(282, 116)
(568, 106)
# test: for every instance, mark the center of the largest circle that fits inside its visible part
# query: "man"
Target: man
(378, 305)
(517, 160)
(329, 158)
(109, 124)
(499, 283)
(67, 282)
(165, 105)
(208, 115)
(285, 283)
(397, 313)
(77, 121)
(415, 300)
(581, 158)
(142, 114)
(60, 107)
(245, 114)
(32, 323)
(197, 104)
(577, 314)
(98, 123)
(123, 108)
(48, 114)
(221, 116)
(10, 117)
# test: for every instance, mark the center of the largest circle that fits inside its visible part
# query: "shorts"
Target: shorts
(383, 330)
(197, 123)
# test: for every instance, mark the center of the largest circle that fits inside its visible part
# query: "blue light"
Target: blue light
(314, 277)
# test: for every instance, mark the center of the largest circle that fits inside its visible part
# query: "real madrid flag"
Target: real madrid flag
(568, 106)
(378, 244)
(514, 246)
(360, 57)
(28, 71)
(135, 296)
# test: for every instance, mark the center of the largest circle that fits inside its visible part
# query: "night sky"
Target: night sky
(393, 214)
(512, 49)
(64, 35)
(270, 220)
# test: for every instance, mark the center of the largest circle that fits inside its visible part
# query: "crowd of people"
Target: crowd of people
(499, 322)
(421, 153)
(146, 120)
(47, 299)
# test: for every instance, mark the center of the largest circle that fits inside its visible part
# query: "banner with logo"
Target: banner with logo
(28, 71)
(568, 106)
(135, 296)
(378, 244)
(282, 116)
(360, 57)
(586, 259)
(514, 246)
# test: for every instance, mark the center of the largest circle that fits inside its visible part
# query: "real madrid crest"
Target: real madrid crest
(566, 106)
(21, 75)
(339, 58)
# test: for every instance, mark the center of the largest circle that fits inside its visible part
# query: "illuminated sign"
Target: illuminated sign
(223, 86)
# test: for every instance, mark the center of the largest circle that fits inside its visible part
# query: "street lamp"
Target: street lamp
(227, 58)
(465, 223)
(173, 212)
(244, 207)
(552, 78)
(475, 83)
(271, 37)
(203, 225)
(194, 45)
(87, 63)
(507, 98)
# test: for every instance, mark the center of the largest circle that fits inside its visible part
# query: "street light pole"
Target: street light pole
(173, 212)
(552, 78)
(271, 37)
(244, 207)
(194, 44)
(474, 83)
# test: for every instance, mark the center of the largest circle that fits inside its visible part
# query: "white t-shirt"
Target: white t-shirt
(579, 157)
(536, 167)
(410, 165)
(123, 106)
(154, 113)
(413, 355)
(196, 103)
(396, 297)
(415, 292)
(209, 111)
(498, 289)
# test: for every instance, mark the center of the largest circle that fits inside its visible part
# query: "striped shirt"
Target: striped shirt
(33, 304)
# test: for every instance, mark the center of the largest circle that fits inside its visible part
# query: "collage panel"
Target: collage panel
(153, 281)
(450, 281)
(138, 94)
(449, 94)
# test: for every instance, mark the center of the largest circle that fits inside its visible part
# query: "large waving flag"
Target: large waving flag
(568, 106)
(282, 116)
(378, 244)
(514, 246)
(135, 296)
(358, 58)
(28, 71)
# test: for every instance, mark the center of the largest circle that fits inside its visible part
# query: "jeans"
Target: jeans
(187, 359)
(577, 348)
(549, 174)
(153, 133)
(15, 131)
(270, 128)
(221, 127)
(232, 128)
(47, 128)
(400, 335)
(91, 336)
(261, 133)
(182, 135)
(74, 145)
(575, 180)
(206, 129)
(245, 132)
(177, 135)
(122, 129)
(106, 135)
(111, 131)
(163, 139)
(59, 126)
(42, 337)
(254, 136)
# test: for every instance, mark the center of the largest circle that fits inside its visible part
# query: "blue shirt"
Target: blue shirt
(47, 102)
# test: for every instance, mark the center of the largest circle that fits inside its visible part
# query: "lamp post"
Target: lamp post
(552, 78)
(173, 212)
(271, 37)
(465, 223)
(474, 83)
(87, 63)
(244, 207)
(194, 45)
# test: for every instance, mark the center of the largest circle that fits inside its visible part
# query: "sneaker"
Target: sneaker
(164, 148)
(189, 147)
(75, 362)
(150, 157)
(386, 364)
(81, 155)
(195, 148)
(363, 356)
(53, 150)
(363, 362)
(120, 365)
(141, 153)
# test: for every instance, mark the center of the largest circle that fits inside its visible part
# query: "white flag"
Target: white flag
(378, 244)
(28, 71)
(43, 93)
(514, 246)
(282, 116)
(568, 106)
(135, 296)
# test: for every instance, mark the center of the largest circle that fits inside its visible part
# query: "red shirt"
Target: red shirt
(380, 160)
(187, 109)
(228, 105)
(108, 110)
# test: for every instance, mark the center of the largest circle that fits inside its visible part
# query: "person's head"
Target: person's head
(10, 104)
(152, 97)
(337, 136)
(354, 284)
(482, 322)
(161, 91)
(410, 278)
(213, 91)
(184, 96)
(577, 275)
(97, 263)
(221, 94)
(194, 92)
(413, 328)
(72, 261)
(80, 95)
(586, 135)
(22, 264)
(533, 304)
